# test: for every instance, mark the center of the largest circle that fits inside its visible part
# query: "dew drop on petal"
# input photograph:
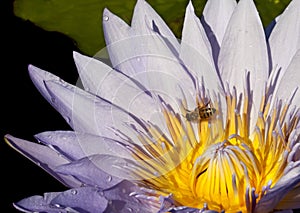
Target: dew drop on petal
(101, 193)
(56, 205)
(105, 18)
(138, 59)
(73, 192)
(109, 178)
(68, 120)
(163, 146)
(129, 209)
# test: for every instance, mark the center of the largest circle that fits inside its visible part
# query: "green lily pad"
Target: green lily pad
(81, 20)
(270, 9)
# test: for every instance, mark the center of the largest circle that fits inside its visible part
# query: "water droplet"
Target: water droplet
(163, 145)
(74, 192)
(67, 119)
(56, 205)
(105, 18)
(109, 178)
(138, 59)
(38, 163)
(132, 194)
(101, 193)
(130, 209)
(155, 173)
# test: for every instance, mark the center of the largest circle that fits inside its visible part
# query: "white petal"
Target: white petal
(244, 49)
(88, 113)
(284, 40)
(286, 183)
(87, 172)
(43, 156)
(76, 145)
(38, 77)
(290, 82)
(102, 80)
(195, 43)
(147, 56)
(116, 166)
(144, 16)
(216, 14)
(291, 200)
(195, 52)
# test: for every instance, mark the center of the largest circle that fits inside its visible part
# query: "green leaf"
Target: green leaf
(81, 20)
(270, 9)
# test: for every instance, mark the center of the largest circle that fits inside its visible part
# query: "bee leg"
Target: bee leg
(187, 110)
(207, 103)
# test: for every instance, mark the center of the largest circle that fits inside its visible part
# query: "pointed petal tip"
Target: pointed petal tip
(7, 138)
(30, 67)
(76, 54)
(80, 59)
(36, 74)
(140, 3)
(106, 12)
(246, 2)
(32, 70)
(190, 6)
(20, 208)
(12, 142)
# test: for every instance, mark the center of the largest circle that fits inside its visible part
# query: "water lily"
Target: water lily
(206, 124)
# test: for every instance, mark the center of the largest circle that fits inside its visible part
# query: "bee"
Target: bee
(200, 113)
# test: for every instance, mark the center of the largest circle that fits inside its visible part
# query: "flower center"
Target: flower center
(223, 176)
(206, 163)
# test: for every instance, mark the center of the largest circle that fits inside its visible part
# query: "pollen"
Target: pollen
(215, 162)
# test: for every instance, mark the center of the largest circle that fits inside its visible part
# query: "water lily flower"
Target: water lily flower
(206, 124)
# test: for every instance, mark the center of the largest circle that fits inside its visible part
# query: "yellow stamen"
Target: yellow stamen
(223, 166)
